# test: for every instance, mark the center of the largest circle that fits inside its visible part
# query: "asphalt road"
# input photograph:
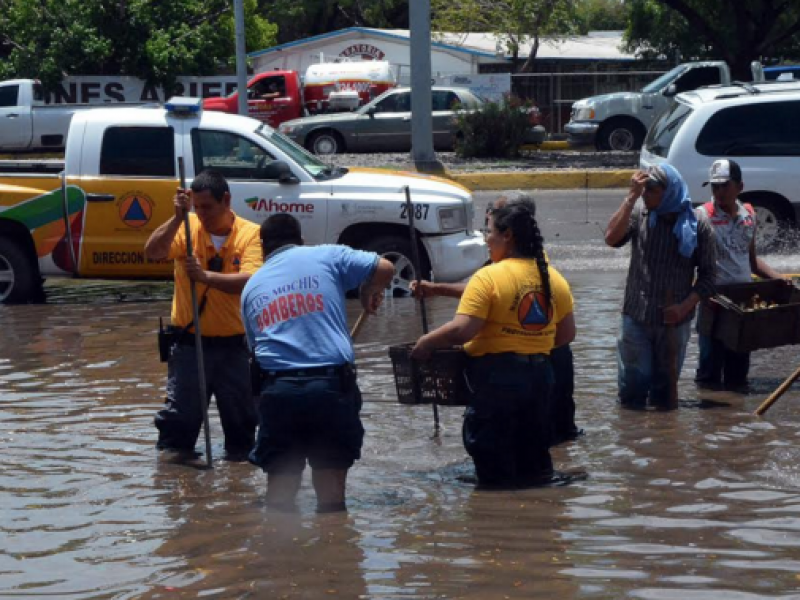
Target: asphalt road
(566, 216)
(573, 222)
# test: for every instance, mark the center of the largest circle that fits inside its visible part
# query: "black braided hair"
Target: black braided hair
(519, 215)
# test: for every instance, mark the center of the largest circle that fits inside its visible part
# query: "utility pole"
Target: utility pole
(419, 16)
(241, 57)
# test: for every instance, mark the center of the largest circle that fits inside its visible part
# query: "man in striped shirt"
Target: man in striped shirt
(672, 267)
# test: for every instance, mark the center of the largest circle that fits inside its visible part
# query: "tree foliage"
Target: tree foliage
(297, 20)
(737, 32)
(600, 15)
(156, 41)
(516, 23)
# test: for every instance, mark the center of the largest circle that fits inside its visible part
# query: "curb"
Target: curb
(544, 180)
(551, 145)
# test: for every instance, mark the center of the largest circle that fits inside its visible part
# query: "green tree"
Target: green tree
(737, 32)
(156, 41)
(516, 23)
(600, 15)
(297, 20)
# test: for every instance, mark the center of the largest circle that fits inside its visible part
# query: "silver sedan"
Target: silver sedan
(384, 124)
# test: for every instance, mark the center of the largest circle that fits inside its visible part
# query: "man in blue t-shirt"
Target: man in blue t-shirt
(293, 310)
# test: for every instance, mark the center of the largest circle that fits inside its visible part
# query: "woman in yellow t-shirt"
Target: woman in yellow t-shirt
(512, 314)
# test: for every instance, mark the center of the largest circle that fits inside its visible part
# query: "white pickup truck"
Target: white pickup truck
(90, 215)
(27, 123)
(619, 121)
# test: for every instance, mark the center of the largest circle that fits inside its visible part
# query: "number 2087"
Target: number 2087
(420, 211)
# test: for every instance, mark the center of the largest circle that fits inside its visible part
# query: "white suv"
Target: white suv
(758, 126)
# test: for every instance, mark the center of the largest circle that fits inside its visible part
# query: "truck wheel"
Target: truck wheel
(398, 251)
(621, 135)
(773, 222)
(326, 142)
(19, 282)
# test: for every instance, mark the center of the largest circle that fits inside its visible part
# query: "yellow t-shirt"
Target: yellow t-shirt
(509, 296)
(241, 253)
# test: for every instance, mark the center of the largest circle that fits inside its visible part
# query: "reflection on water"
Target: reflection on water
(687, 504)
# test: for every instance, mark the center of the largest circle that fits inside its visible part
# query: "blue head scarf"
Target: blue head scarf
(676, 200)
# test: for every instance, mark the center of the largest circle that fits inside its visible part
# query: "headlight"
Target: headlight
(453, 219)
(584, 113)
(286, 129)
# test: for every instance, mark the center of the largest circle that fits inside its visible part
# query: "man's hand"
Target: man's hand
(195, 271)
(183, 203)
(637, 186)
(372, 301)
(676, 313)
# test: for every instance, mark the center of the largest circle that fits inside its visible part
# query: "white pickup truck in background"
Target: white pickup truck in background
(27, 123)
(619, 121)
(91, 214)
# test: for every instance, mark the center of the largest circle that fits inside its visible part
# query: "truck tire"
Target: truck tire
(620, 135)
(774, 220)
(19, 282)
(325, 142)
(398, 251)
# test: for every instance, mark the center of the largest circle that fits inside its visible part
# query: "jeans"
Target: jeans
(643, 361)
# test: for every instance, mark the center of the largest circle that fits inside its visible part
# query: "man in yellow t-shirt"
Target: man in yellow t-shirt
(226, 251)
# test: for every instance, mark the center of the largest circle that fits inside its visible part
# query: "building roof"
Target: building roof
(603, 45)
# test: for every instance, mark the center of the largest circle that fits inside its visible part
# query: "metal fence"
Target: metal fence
(554, 93)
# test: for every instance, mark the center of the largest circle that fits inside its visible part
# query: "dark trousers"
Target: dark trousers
(227, 371)
(309, 418)
(506, 425)
(562, 404)
(718, 365)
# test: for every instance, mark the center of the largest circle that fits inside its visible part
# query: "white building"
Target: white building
(451, 53)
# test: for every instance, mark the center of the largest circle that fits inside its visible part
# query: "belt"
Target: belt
(326, 371)
(228, 341)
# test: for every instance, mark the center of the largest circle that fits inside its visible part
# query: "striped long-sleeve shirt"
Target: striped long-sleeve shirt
(659, 272)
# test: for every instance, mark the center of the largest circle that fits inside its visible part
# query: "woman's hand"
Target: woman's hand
(422, 349)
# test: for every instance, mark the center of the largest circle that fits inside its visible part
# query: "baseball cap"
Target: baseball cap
(723, 171)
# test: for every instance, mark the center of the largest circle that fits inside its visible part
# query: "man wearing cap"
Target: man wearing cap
(734, 224)
(670, 245)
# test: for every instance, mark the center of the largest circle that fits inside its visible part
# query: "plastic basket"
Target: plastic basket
(745, 331)
(439, 380)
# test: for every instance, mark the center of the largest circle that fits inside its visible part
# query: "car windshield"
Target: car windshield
(310, 163)
(662, 133)
(664, 80)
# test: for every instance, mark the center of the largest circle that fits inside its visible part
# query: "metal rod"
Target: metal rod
(198, 338)
(672, 356)
(418, 274)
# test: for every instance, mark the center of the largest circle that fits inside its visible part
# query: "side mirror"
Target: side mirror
(670, 91)
(371, 111)
(278, 170)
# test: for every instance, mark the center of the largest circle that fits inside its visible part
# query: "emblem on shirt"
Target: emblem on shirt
(534, 311)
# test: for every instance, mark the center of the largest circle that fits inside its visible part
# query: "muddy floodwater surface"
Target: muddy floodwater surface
(703, 502)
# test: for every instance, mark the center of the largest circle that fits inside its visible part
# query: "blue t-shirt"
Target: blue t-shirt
(293, 308)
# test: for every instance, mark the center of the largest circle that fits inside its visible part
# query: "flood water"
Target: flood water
(703, 502)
